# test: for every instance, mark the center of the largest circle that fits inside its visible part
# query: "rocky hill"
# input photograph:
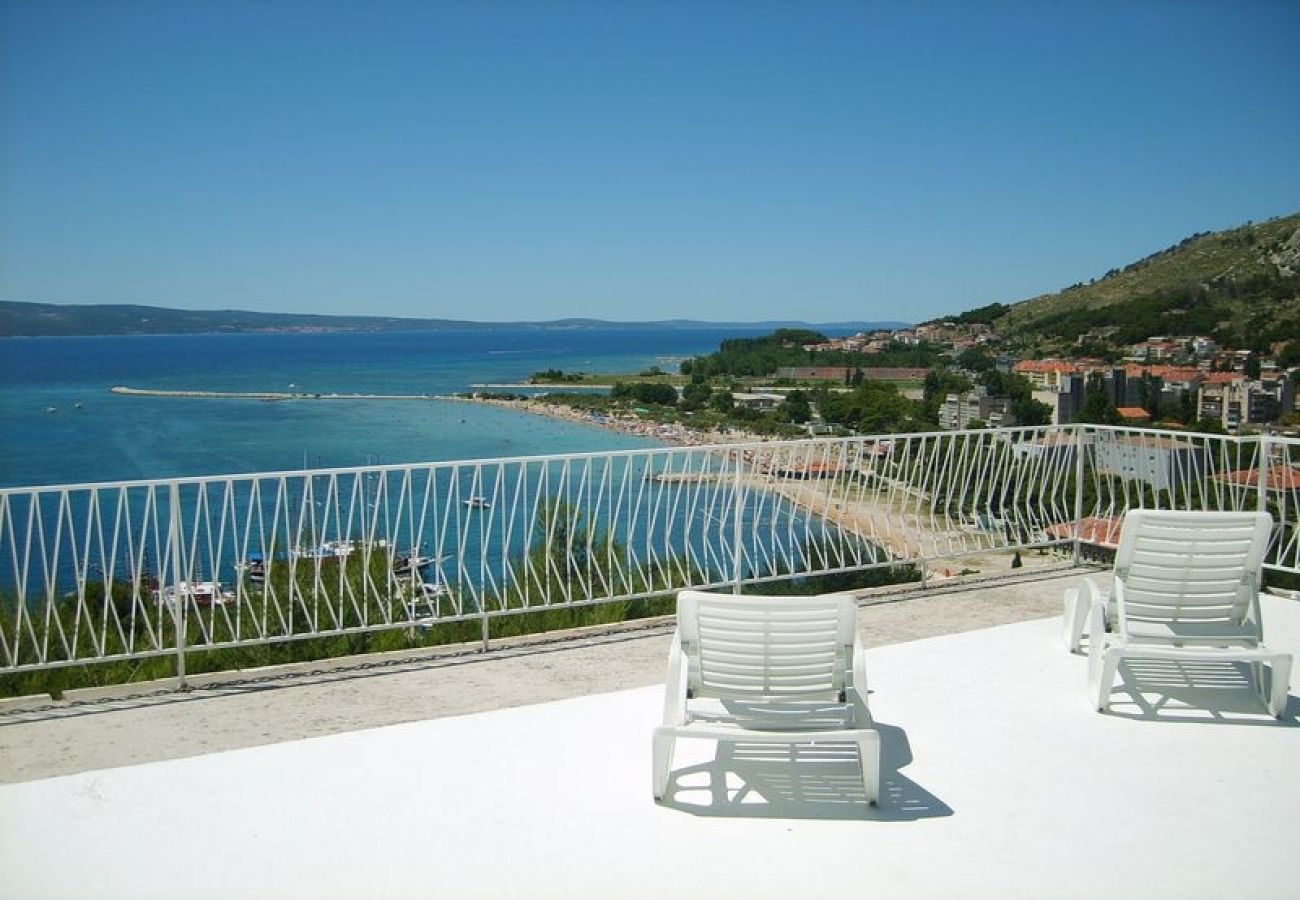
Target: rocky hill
(1241, 286)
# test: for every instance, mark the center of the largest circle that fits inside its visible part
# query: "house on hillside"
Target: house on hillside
(961, 410)
(1045, 373)
(1235, 400)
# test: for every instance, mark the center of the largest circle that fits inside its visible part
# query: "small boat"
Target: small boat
(478, 503)
(327, 550)
(200, 593)
(254, 567)
(404, 565)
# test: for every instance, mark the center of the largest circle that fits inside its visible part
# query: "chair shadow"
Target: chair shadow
(1194, 691)
(823, 781)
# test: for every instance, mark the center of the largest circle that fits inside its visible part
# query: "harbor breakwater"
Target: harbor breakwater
(266, 395)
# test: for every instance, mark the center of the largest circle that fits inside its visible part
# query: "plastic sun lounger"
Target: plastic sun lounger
(1185, 586)
(786, 670)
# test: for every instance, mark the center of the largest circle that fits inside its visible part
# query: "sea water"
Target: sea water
(60, 424)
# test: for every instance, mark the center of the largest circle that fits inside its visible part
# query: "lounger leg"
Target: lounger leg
(1280, 672)
(1076, 617)
(664, 742)
(869, 756)
(1098, 683)
(1258, 681)
(1103, 662)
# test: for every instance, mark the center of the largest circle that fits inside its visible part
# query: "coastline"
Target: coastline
(884, 521)
(672, 433)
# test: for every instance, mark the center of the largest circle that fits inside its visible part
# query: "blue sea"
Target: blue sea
(61, 425)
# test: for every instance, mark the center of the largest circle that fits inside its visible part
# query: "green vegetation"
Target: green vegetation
(645, 392)
(762, 356)
(556, 376)
(1025, 409)
(873, 407)
(983, 315)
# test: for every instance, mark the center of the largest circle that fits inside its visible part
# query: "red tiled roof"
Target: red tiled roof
(1287, 477)
(1168, 373)
(1093, 530)
(1045, 365)
(1133, 412)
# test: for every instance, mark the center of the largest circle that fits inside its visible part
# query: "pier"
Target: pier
(268, 396)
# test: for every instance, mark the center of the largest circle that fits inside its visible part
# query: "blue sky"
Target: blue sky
(502, 160)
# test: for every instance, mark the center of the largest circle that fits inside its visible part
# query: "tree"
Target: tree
(795, 408)
(1028, 411)
(721, 401)
(1252, 366)
(976, 359)
(939, 383)
(871, 407)
(1097, 408)
(696, 395)
(662, 394)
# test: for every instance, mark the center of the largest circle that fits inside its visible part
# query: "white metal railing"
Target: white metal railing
(132, 570)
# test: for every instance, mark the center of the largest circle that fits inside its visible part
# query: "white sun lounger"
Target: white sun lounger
(767, 669)
(1185, 586)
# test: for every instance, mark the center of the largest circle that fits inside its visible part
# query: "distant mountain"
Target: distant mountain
(48, 319)
(1241, 286)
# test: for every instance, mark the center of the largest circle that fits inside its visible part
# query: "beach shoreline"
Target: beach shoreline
(669, 432)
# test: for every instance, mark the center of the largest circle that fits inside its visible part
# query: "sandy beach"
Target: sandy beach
(891, 520)
(669, 433)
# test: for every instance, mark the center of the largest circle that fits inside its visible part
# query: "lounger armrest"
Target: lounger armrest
(1078, 605)
(1089, 593)
(675, 688)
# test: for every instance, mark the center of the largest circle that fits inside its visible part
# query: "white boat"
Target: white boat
(404, 565)
(200, 593)
(478, 503)
(327, 550)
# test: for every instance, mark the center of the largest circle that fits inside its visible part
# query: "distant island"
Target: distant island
(55, 320)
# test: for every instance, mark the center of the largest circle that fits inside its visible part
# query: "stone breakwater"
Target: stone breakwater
(265, 395)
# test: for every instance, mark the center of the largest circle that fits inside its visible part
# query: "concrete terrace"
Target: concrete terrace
(526, 772)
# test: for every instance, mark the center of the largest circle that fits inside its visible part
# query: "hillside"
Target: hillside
(1241, 285)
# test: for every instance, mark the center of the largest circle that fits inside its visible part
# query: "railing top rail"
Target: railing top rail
(1008, 433)
(512, 460)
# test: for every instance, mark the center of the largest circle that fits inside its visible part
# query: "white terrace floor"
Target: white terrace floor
(1000, 781)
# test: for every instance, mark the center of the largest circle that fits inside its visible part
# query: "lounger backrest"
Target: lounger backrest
(1190, 566)
(766, 647)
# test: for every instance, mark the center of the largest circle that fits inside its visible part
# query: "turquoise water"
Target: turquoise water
(61, 424)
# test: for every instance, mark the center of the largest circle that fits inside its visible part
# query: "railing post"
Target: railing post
(1078, 494)
(1264, 456)
(486, 631)
(737, 557)
(178, 595)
